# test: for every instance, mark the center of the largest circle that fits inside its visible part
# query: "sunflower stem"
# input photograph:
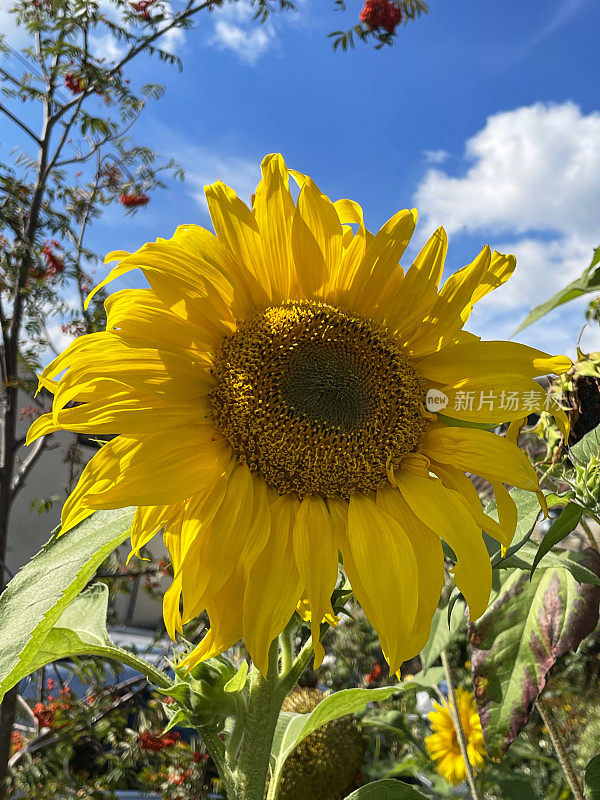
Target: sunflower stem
(264, 704)
(460, 733)
(567, 767)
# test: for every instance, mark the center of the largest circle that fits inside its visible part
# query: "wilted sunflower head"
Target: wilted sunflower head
(275, 396)
(442, 745)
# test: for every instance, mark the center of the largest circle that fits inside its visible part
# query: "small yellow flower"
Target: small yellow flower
(442, 745)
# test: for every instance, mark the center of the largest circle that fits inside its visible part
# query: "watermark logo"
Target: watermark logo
(435, 400)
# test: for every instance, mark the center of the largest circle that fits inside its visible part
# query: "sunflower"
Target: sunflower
(442, 745)
(268, 394)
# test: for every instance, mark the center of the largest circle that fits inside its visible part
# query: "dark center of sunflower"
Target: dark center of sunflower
(317, 400)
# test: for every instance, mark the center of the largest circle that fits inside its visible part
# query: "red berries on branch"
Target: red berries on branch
(54, 263)
(142, 8)
(132, 200)
(74, 84)
(381, 14)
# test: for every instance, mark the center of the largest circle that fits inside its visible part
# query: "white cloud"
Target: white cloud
(106, 47)
(236, 29)
(436, 156)
(534, 168)
(532, 188)
(204, 166)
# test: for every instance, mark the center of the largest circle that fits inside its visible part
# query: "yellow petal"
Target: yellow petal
(429, 559)
(443, 511)
(452, 307)
(274, 212)
(381, 565)
(455, 362)
(316, 557)
(321, 219)
(225, 615)
(144, 474)
(419, 289)
(480, 452)
(215, 550)
(381, 259)
(499, 398)
(273, 585)
(236, 226)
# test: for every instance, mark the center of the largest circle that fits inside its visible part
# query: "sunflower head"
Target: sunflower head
(442, 745)
(266, 396)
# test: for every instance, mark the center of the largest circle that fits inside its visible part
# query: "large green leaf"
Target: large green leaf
(525, 630)
(40, 592)
(81, 631)
(387, 789)
(592, 779)
(589, 281)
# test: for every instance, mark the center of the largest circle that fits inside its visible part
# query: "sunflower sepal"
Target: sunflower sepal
(202, 696)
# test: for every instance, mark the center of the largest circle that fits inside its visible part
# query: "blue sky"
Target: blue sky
(484, 115)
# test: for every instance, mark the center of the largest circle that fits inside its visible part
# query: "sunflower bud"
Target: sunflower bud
(587, 483)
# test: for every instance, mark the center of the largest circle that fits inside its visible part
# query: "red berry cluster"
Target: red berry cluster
(17, 741)
(199, 757)
(54, 263)
(374, 674)
(142, 7)
(381, 14)
(131, 200)
(74, 84)
(53, 714)
(149, 741)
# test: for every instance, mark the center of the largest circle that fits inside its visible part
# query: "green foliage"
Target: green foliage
(40, 593)
(293, 728)
(589, 281)
(442, 633)
(592, 779)
(386, 789)
(530, 624)
(562, 526)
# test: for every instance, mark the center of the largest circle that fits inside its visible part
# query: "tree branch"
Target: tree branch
(27, 465)
(138, 48)
(18, 122)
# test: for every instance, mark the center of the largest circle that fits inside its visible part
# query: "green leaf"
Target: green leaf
(574, 562)
(39, 593)
(516, 788)
(387, 789)
(589, 281)
(237, 683)
(561, 527)
(592, 779)
(530, 624)
(441, 633)
(293, 728)
(81, 631)
(586, 448)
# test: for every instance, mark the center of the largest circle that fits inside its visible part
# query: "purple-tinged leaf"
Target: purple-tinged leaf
(527, 628)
